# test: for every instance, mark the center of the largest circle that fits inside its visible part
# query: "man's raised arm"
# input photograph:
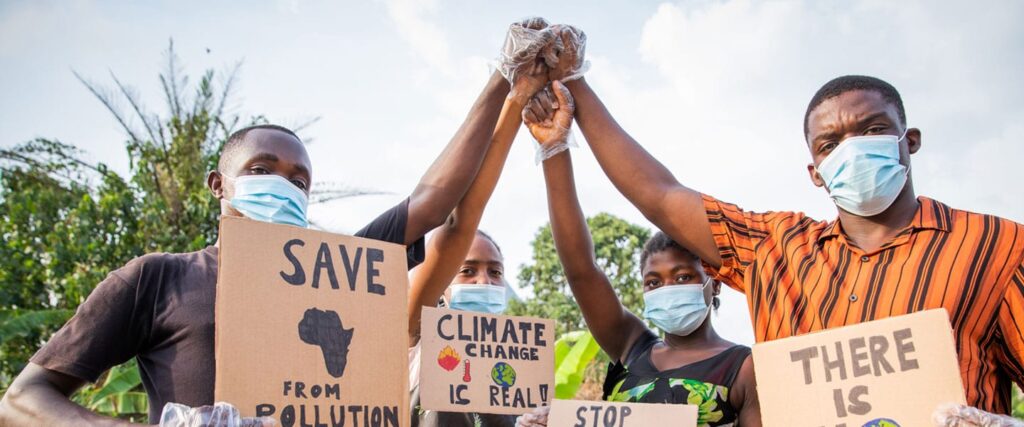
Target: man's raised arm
(674, 208)
(448, 178)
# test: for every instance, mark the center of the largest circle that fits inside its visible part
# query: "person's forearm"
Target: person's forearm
(448, 246)
(568, 224)
(613, 327)
(448, 178)
(470, 209)
(36, 405)
(672, 207)
(636, 174)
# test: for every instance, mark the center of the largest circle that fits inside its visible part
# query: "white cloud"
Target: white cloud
(418, 24)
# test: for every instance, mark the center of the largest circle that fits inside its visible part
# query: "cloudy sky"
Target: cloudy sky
(715, 89)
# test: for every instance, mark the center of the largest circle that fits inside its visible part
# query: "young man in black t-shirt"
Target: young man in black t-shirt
(159, 308)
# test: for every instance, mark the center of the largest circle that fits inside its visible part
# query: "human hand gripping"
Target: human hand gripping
(957, 415)
(530, 78)
(519, 61)
(565, 56)
(537, 418)
(548, 116)
(218, 415)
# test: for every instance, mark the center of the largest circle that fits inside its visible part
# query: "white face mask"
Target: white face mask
(478, 298)
(863, 174)
(677, 309)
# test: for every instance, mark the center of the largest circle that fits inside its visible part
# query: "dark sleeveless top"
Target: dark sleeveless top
(705, 384)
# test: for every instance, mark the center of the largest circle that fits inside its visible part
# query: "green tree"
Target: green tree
(1018, 403)
(67, 222)
(617, 246)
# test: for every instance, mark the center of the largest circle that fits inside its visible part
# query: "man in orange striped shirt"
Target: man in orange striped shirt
(890, 252)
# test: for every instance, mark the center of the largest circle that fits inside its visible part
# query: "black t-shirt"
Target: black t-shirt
(159, 308)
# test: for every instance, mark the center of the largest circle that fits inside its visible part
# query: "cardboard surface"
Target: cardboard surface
(889, 372)
(477, 362)
(582, 413)
(311, 326)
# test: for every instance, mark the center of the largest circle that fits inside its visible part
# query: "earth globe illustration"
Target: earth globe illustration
(503, 375)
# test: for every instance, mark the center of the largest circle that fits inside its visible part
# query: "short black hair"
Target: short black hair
(490, 239)
(236, 138)
(660, 242)
(841, 85)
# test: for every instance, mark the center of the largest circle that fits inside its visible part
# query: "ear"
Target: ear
(215, 182)
(815, 176)
(716, 287)
(913, 140)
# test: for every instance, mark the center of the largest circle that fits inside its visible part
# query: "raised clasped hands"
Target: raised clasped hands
(535, 53)
(548, 116)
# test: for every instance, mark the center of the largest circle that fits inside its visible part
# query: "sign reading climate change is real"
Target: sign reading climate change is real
(311, 326)
(477, 362)
(892, 372)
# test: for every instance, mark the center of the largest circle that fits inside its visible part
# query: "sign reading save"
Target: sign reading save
(308, 326)
(477, 362)
(891, 372)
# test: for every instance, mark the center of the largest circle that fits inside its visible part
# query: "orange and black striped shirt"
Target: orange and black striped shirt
(801, 275)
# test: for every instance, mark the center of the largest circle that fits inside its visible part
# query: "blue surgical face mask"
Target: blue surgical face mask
(478, 298)
(677, 309)
(270, 198)
(863, 174)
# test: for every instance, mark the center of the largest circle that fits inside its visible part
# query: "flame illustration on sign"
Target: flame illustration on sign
(448, 358)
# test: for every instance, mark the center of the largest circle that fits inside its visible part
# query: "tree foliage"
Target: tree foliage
(67, 221)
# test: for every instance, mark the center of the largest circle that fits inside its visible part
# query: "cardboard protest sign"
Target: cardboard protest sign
(890, 372)
(582, 413)
(478, 362)
(311, 326)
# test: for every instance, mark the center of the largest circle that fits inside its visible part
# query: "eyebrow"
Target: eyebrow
(682, 267)
(476, 261)
(871, 117)
(301, 168)
(270, 157)
(832, 134)
(264, 157)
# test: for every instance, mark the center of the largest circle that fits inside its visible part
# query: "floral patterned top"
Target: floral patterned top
(705, 383)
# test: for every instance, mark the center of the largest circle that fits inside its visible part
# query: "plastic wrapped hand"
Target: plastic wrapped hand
(219, 415)
(566, 56)
(956, 415)
(523, 42)
(537, 418)
(528, 80)
(549, 118)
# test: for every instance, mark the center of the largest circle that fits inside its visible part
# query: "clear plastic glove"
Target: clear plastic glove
(523, 42)
(549, 117)
(566, 56)
(956, 415)
(529, 80)
(219, 415)
(537, 418)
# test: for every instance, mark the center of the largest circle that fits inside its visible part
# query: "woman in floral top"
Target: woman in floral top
(692, 364)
